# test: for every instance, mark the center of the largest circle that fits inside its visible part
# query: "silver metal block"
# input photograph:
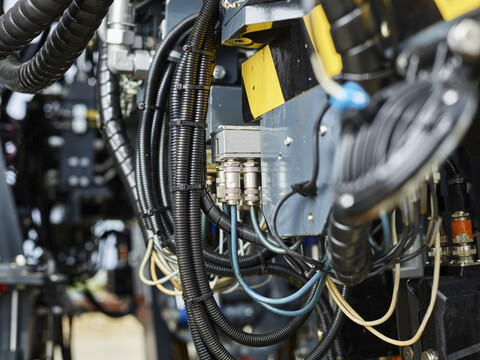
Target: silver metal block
(235, 142)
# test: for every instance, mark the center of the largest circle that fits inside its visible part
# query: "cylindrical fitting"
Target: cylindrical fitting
(233, 192)
(464, 248)
(220, 184)
(251, 182)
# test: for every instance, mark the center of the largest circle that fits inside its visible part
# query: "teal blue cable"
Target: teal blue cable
(306, 309)
(387, 236)
(318, 278)
(264, 240)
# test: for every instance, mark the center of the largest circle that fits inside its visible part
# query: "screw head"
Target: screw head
(288, 141)
(323, 130)
(219, 73)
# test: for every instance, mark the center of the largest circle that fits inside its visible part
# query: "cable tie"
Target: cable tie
(143, 106)
(179, 122)
(188, 187)
(192, 87)
(305, 188)
(153, 211)
(188, 48)
(263, 264)
(195, 300)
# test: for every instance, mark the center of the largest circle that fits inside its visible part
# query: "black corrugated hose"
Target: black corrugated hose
(25, 20)
(149, 204)
(327, 340)
(70, 37)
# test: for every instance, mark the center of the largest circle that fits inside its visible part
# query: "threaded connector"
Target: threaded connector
(251, 172)
(233, 192)
(220, 184)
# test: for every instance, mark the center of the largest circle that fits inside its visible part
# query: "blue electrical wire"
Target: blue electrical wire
(319, 278)
(387, 236)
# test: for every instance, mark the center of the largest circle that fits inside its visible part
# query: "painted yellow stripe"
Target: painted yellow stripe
(451, 9)
(261, 83)
(318, 29)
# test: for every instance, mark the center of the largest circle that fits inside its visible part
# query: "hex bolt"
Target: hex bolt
(219, 72)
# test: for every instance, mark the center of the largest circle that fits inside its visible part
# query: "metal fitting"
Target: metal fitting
(430, 355)
(220, 184)
(464, 248)
(464, 39)
(233, 192)
(251, 171)
(125, 55)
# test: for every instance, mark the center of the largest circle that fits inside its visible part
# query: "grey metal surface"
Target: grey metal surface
(10, 233)
(224, 107)
(235, 142)
(416, 266)
(177, 10)
(238, 22)
(286, 135)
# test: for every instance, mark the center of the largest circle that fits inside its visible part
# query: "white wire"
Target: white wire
(141, 269)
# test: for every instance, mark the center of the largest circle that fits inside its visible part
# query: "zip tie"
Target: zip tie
(153, 211)
(192, 300)
(188, 48)
(179, 122)
(192, 87)
(143, 106)
(188, 187)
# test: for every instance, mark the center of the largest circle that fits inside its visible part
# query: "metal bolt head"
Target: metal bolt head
(408, 353)
(430, 355)
(310, 217)
(20, 260)
(323, 130)
(288, 141)
(219, 73)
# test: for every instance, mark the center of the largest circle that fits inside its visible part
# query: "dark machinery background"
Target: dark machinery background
(276, 167)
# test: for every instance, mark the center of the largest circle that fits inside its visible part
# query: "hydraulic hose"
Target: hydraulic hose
(70, 37)
(113, 126)
(25, 20)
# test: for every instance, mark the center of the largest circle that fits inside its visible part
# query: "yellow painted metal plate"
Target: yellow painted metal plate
(451, 9)
(261, 83)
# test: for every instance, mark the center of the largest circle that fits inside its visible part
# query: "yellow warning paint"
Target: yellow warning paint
(318, 29)
(451, 9)
(261, 83)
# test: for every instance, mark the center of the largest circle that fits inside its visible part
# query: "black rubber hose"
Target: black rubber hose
(333, 332)
(273, 337)
(354, 37)
(70, 37)
(148, 203)
(348, 250)
(114, 130)
(99, 307)
(25, 20)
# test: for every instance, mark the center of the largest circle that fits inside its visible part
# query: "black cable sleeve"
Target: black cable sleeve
(67, 42)
(450, 167)
(99, 307)
(25, 20)
(333, 332)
